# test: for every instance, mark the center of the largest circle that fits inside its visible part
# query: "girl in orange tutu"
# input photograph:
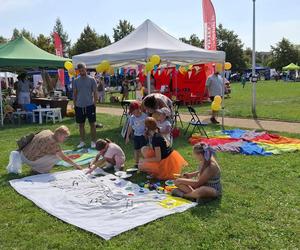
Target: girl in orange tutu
(160, 160)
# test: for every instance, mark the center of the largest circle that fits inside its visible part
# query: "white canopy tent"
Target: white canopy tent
(146, 40)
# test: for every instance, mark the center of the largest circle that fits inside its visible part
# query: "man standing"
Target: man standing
(85, 99)
(214, 85)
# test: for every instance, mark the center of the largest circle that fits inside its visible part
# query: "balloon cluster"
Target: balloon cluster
(69, 66)
(219, 66)
(104, 67)
(216, 104)
(154, 61)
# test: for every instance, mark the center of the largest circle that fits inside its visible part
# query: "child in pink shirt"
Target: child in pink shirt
(111, 153)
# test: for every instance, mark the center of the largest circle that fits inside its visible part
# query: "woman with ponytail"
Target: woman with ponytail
(160, 160)
(204, 183)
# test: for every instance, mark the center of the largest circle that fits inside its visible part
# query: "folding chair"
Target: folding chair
(176, 105)
(195, 122)
(124, 105)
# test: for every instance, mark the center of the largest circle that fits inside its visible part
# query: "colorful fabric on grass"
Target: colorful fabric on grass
(248, 142)
(81, 156)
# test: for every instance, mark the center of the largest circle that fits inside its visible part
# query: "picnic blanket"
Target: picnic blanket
(248, 142)
(104, 205)
(80, 156)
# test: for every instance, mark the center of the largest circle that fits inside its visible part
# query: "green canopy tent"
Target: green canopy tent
(291, 66)
(22, 54)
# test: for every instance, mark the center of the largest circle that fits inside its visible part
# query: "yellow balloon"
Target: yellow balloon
(68, 65)
(155, 59)
(215, 106)
(219, 67)
(99, 68)
(72, 72)
(106, 65)
(149, 66)
(111, 70)
(227, 66)
(218, 99)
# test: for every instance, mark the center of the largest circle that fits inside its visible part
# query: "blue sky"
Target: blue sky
(275, 18)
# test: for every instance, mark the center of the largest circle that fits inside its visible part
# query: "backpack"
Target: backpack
(24, 141)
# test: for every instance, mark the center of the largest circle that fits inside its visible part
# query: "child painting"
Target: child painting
(110, 153)
(203, 183)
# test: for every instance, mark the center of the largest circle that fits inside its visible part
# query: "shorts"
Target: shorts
(139, 142)
(217, 186)
(88, 112)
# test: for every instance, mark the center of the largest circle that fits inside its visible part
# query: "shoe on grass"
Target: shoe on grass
(99, 125)
(81, 144)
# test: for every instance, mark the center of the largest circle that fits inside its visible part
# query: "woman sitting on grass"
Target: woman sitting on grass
(160, 160)
(206, 183)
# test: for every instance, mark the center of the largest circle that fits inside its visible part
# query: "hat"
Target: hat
(165, 111)
(134, 106)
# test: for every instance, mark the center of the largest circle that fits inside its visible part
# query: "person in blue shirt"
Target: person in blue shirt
(137, 127)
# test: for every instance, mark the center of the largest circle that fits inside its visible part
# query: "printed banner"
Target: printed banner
(59, 52)
(210, 36)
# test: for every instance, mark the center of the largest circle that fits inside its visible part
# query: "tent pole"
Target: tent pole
(148, 83)
(223, 95)
(1, 103)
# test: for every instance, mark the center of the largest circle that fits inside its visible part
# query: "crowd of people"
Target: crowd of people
(150, 127)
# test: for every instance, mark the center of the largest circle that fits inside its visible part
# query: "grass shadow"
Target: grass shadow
(207, 209)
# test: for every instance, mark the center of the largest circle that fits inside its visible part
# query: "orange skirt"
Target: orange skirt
(166, 168)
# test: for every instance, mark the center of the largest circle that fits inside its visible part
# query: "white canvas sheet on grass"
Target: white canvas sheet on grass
(106, 205)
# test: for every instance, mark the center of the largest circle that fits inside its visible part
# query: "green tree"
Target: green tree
(23, 32)
(193, 40)
(66, 43)
(229, 42)
(89, 40)
(262, 58)
(123, 29)
(2, 40)
(45, 43)
(104, 40)
(284, 53)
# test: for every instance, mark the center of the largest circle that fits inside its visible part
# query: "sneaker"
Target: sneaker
(93, 144)
(81, 144)
(99, 125)
(177, 192)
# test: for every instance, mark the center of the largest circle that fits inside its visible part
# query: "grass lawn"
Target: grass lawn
(259, 208)
(275, 100)
(280, 101)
